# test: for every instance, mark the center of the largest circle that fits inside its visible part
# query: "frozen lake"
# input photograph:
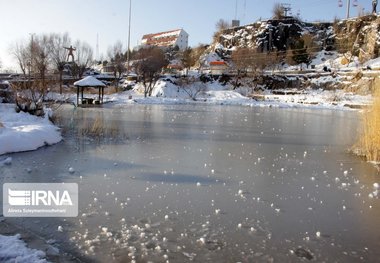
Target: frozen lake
(210, 184)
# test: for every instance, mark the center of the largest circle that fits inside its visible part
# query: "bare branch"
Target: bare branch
(151, 60)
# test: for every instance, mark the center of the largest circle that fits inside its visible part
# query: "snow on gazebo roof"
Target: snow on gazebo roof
(89, 82)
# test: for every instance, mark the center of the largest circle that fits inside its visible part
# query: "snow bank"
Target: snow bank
(373, 63)
(13, 249)
(25, 132)
(226, 97)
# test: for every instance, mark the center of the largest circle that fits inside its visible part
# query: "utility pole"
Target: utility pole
(97, 47)
(31, 54)
(348, 9)
(129, 35)
(236, 9)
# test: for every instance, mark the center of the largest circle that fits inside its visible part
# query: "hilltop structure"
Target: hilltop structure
(172, 38)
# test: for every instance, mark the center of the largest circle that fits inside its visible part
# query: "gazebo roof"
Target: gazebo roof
(89, 82)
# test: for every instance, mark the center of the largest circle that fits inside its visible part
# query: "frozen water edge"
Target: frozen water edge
(25, 132)
(13, 249)
(23, 245)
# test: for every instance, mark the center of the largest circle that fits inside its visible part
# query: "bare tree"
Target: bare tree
(34, 58)
(220, 26)
(150, 62)
(278, 11)
(345, 44)
(84, 56)
(197, 52)
(250, 61)
(117, 58)
(187, 58)
(311, 46)
(272, 60)
(243, 60)
(41, 55)
(21, 52)
(191, 87)
(289, 57)
(59, 53)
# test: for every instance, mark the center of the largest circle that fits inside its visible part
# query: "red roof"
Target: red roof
(148, 36)
(217, 63)
(174, 66)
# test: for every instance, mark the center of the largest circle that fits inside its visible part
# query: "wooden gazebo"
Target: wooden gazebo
(86, 83)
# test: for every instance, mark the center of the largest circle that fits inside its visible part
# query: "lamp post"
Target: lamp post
(348, 8)
(31, 54)
(129, 35)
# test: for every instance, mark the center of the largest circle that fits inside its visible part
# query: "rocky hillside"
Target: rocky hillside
(360, 36)
(269, 35)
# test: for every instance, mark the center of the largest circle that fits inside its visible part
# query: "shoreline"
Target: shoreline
(36, 242)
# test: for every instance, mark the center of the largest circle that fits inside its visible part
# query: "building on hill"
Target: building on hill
(218, 67)
(172, 38)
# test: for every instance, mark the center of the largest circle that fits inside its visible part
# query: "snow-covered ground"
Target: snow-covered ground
(13, 249)
(24, 132)
(216, 93)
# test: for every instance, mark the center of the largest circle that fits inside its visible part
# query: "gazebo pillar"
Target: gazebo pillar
(82, 95)
(77, 95)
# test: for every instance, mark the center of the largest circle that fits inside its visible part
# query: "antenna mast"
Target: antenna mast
(286, 8)
(236, 9)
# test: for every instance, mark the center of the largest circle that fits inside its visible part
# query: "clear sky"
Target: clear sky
(85, 19)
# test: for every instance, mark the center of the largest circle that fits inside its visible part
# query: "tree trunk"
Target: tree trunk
(236, 80)
(145, 89)
(150, 88)
(60, 81)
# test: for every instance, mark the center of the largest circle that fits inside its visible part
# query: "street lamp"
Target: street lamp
(348, 9)
(129, 35)
(31, 54)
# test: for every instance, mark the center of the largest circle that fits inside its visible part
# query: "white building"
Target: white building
(172, 38)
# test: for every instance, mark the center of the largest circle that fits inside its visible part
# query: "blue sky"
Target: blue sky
(84, 19)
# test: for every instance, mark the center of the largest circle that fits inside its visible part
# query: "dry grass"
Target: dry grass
(369, 142)
(85, 124)
(99, 128)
